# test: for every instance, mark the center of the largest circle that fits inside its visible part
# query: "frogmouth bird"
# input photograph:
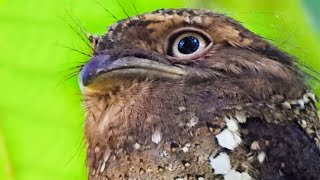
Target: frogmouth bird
(193, 94)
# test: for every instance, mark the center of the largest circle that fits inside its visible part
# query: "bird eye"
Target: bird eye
(187, 44)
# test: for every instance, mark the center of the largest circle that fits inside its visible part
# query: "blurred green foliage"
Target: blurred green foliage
(313, 9)
(41, 119)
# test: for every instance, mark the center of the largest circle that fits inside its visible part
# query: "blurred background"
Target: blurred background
(41, 119)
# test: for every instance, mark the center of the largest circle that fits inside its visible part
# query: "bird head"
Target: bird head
(188, 47)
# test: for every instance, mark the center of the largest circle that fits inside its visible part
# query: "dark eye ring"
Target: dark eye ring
(187, 43)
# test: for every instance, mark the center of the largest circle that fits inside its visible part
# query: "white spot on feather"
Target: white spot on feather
(232, 175)
(197, 20)
(232, 124)
(105, 159)
(312, 96)
(305, 98)
(228, 139)
(96, 149)
(164, 154)
(156, 137)
(103, 166)
(245, 176)
(286, 105)
(221, 163)
(303, 124)
(255, 145)
(136, 146)
(240, 116)
(301, 103)
(187, 19)
(193, 121)
(261, 157)
(182, 108)
(186, 147)
(235, 175)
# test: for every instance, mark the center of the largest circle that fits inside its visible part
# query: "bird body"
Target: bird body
(192, 94)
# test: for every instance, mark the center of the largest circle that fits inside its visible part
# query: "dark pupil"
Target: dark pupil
(188, 45)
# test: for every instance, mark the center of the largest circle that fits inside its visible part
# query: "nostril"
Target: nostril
(92, 69)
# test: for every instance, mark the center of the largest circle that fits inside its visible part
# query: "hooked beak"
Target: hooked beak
(101, 72)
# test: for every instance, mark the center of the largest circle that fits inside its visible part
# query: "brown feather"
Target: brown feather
(153, 125)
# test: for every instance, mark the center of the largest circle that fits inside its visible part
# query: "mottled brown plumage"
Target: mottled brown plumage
(236, 109)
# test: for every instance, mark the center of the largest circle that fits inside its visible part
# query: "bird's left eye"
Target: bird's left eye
(186, 45)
